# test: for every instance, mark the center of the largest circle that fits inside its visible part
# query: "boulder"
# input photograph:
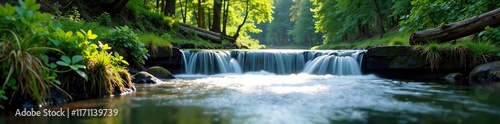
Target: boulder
(145, 78)
(454, 78)
(486, 73)
(160, 72)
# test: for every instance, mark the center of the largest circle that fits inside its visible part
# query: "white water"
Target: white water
(263, 97)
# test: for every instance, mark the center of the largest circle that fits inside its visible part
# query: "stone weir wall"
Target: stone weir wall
(168, 58)
(402, 62)
(394, 62)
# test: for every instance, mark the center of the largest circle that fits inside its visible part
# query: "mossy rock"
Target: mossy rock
(145, 78)
(160, 72)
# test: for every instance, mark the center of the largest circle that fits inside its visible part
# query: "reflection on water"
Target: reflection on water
(261, 97)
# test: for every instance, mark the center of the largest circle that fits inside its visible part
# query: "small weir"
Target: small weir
(282, 62)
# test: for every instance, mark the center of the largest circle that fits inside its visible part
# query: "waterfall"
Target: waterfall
(210, 62)
(336, 62)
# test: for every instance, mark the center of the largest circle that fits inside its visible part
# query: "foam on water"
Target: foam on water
(261, 97)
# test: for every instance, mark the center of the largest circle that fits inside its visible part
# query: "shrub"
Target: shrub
(103, 19)
(23, 41)
(490, 34)
(127, 43)
(104, 70)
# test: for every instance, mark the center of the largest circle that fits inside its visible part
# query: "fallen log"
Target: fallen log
(206, 32)
(458, 29)
(212, 38)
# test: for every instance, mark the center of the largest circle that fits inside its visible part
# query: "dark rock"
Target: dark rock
(160, 72)
(132, 70)
(390, 51)
(163, 52)
(402, 62)
(172, 63)
(454, 78)
(145, 78)
(486, 73)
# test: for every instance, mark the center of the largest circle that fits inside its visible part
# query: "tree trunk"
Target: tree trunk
(216, 18)
(457, 30)
(225, 17)
(117, 6)
(158, 5)
(379, 20)
(247, 10)
(200, 20)
(170, 8)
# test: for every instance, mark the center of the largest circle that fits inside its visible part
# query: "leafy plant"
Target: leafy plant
(127, 43)
(490, 34)
(22, 55)
(74, 64)
(103, 19)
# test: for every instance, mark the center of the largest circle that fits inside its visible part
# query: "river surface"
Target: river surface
(266, 98)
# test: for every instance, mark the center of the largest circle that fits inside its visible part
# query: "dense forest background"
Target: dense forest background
(275, 23)
(315, 22)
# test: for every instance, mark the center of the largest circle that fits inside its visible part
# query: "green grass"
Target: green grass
(389, 39)
(146, 37)
(153, 39)
(288, 47)
(77, 26)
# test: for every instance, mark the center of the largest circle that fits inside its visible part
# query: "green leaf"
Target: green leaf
(81, 73)
(90, 35)
(66, 59)
(62, 63)
(35, 7)
(55, 42)
(52, 65)
(76, 59)
(74, 68)
(80, 35)
(57, 82)
(79, 66)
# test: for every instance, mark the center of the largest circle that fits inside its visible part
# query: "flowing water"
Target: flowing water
(238, 93)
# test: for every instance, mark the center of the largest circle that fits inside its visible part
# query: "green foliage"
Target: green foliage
(126, 42)
(72, 15)
(303, 29)
(77, 26)
(277, 30)
(22, 53)
(337, 18)
(490, 34)
(74, 64)
(434, 13)
(103, 19)
(102, 72)
(398, 37)
(30, 44)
